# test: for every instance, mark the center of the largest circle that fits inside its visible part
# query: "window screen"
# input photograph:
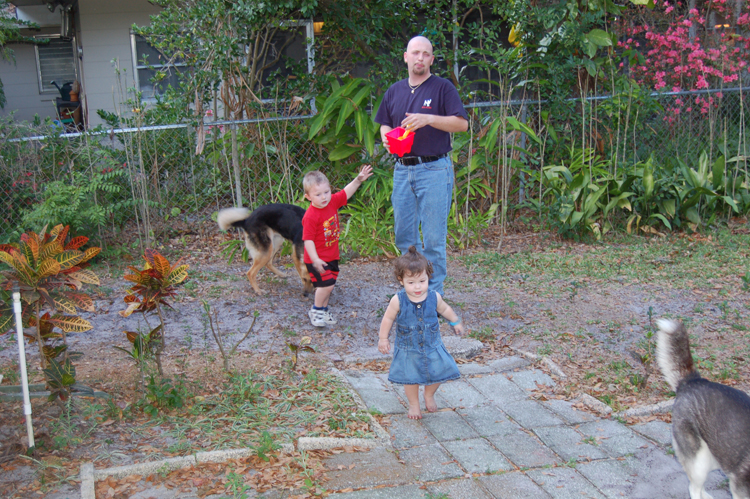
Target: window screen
(55, 61)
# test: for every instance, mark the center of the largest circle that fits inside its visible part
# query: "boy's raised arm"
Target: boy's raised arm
(351, 187)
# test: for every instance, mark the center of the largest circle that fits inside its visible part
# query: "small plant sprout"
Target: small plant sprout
(213, 323)
(296, 348)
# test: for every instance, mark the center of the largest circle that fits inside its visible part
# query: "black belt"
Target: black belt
(415, 160)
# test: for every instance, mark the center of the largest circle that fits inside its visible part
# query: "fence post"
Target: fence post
(236, 165)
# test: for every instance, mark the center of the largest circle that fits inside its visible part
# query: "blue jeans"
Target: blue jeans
(422, 196)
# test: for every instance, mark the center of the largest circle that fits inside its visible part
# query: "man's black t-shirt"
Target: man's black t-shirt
(434, 96)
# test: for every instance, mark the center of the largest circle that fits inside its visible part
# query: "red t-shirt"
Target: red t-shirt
(322, 227)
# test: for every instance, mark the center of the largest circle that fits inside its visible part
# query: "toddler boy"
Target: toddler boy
(320, 233)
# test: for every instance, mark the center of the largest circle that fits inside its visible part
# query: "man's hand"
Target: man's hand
(365, 173)
(451, 124)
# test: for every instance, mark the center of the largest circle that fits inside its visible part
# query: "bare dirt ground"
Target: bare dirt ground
(595, 327)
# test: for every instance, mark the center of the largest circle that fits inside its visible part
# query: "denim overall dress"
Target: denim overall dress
(419, 356)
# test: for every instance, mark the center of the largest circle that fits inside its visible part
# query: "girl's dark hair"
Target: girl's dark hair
(411, 263)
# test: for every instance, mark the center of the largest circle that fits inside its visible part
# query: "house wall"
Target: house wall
(103, 33)
(21, 86)
(105, 36)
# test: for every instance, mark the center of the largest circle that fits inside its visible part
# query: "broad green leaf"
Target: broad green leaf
(717, 172)
(692, 215)
(360, 124)
(616, 202)
(317, 124)
(517, 125)
(490, 139)
(590, 66)
(669, 207)
(663, 220)
(599, 37)
(648, 180)
(370, 140)
(731, 202)
(590, 50)
(341, 152)
(346, 110)
(703, 169)
(363, 92)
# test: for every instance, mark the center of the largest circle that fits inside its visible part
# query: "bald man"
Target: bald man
(430, 107)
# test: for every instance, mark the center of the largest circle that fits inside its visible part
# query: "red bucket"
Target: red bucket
(398, 145)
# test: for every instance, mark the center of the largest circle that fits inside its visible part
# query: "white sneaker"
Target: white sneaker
(328, 317)
(316, 317)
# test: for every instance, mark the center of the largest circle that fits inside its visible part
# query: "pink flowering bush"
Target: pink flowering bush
(664, 57)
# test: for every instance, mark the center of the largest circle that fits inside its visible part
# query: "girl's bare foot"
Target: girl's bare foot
(414, 412)
(429, 403)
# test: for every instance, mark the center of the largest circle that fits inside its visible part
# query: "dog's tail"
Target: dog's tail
(673, 352)
(229, 216)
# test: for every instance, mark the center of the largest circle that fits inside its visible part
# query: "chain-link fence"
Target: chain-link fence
(134, 180)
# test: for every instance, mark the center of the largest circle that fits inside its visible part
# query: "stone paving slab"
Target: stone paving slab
(513, 486)
(379, 466)
(612, 477)
(566, 411)
(472, 368)
(614, 438)
(488, 420)
(524, 450)
(569, 444)
(407, 433)
(564, 483)
(448, 425)
(374, 393)
(459, 489)
(458, 394)
(476, 455)
(658, 431)
(531, 414)
(405, 492)
(498, 388)
(430, 462)
(528, 379)
(508, 363)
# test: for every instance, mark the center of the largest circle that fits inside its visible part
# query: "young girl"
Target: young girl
(419, 356)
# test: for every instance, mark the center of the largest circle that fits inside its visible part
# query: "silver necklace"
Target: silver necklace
(416, 87)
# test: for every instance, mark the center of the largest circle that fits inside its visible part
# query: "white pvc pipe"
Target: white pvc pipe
(22, 366)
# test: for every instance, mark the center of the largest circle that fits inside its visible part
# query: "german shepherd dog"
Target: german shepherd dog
(265, 230)
(710, 421)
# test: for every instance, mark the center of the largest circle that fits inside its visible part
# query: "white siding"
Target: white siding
(103, 32)
(21, 86)
(105, 35)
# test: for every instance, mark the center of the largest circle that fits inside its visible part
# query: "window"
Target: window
(55, 61)
(150, 62)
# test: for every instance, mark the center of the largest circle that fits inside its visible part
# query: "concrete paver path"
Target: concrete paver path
(491, 440)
